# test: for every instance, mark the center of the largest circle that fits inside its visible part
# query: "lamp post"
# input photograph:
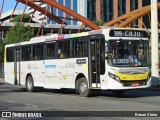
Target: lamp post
(154, 43)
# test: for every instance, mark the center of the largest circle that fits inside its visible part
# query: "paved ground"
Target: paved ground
(14, 97)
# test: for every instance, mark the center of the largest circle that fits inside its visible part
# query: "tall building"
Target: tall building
(108, 10)
(93, 10)
(71, 4)
(78, 6)
(82, 8)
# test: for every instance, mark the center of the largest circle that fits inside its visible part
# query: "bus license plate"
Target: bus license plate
(135, 84)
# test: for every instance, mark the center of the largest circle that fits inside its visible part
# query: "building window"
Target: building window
(68, 5)
(146, 2)
(75, 9)
(91, 10)
(79, 48)
(60, 13)
(106, 10)
(146, 20)
(134, 6)
(121, 7)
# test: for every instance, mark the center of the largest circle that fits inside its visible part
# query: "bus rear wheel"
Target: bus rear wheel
(118, 93)
(83, 88)
(30, 84)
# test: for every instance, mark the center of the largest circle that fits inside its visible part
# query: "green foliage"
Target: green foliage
(2, 45)
(18, 33)
(99, 23)
(18, 18)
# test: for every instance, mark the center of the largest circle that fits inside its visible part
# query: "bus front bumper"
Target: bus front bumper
(112, 84)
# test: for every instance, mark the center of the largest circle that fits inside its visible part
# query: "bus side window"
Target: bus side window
(80, 48)
(50, 50)
(26, 53)
(64, 49)
(10, 54)
(38, 52)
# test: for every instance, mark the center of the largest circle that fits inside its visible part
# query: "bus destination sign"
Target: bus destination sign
(128, 33)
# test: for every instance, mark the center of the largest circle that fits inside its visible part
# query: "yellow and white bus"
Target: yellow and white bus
(107, 59)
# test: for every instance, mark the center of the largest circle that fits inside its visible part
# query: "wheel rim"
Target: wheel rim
(29, 84)
(83, 87)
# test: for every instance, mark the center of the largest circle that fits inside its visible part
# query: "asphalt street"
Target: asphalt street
(58, 103)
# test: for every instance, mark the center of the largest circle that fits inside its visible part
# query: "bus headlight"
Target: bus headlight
(114, 77)
(117, 78)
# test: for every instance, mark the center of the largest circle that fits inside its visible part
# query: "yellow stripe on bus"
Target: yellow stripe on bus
(5, 55)
(129, 77)
(85, 68)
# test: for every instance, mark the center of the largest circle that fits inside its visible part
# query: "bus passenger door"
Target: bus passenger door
(94, 63)
(96, 60)
(17, 54)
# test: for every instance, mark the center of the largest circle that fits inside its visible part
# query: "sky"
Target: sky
(10, 4)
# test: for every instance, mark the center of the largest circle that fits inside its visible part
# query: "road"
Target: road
(15, 98)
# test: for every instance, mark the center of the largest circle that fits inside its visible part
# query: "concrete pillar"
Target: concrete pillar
(115, 9)
(128, 6)
(98, 9)
(140, 19)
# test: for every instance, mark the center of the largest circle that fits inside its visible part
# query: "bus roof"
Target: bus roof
(49, 38)
(53, 37)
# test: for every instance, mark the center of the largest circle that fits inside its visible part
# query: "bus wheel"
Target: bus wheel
(30, 84)
(118, 93)
(83, 89)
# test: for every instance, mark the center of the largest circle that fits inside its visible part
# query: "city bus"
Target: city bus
(113, 59)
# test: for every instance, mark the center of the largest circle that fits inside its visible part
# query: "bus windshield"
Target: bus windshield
(128, 53)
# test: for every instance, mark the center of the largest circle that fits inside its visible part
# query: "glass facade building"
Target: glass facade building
(108, 10)
(105, 10)
(71, 4)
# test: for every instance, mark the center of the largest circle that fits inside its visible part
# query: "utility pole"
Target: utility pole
(154, 43)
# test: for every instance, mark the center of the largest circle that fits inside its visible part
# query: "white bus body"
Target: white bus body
(60, 72)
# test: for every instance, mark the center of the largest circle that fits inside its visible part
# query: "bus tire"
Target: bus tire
(118, 93)
(83, 88)
(30, 84)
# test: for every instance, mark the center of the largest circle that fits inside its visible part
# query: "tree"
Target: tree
(2, 44)
(99, 23)
(18, 18)
(18, 33)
